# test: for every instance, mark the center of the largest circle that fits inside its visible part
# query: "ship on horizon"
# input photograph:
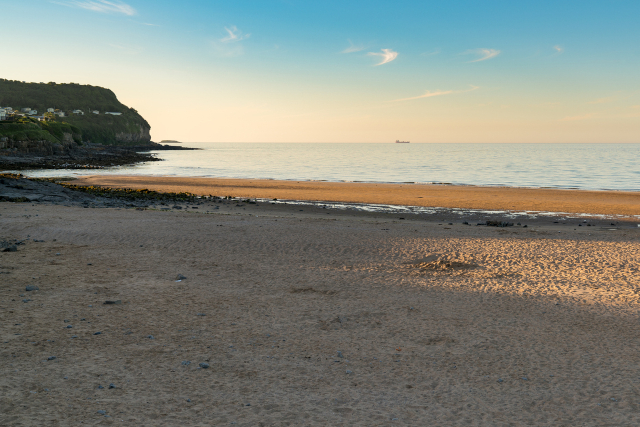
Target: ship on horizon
(401, 142)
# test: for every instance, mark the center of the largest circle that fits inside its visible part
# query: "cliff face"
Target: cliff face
(10, 146)
(142, 137)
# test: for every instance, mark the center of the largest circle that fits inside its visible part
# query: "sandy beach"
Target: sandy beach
(294, 315)
(445, 196)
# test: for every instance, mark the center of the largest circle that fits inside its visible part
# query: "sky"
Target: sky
(344, 71)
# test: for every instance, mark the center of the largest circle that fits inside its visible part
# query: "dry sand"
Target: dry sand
(445, 196)
(436, 324)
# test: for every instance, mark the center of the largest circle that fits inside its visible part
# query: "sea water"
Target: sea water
(580, 166)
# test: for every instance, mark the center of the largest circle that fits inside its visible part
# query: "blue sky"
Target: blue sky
(345, 71)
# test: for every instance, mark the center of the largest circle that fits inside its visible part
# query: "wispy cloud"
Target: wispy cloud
(352, 48)
(575, 118)
(387, 55)
(102, 6)
(430, 94)
(235, 35)
(558, 48)
(484, 54)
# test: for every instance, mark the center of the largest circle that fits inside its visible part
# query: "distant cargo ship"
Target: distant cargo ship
(401, 142)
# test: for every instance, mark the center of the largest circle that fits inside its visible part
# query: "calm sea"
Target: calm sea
(583, 166)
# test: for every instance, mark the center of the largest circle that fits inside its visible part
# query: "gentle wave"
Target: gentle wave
(569, 166)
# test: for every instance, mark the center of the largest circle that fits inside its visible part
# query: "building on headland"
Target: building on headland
(33, 112)
(80, 112)
(3, 114)
(25, 110)
(50, 110)
(59, 113)
(96, 112)
(113, 113)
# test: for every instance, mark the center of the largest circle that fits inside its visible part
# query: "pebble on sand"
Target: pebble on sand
(204, 365)
(51, 358)
(32, 288)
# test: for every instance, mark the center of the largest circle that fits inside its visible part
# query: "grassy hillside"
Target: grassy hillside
(26, 129)
(129, 128)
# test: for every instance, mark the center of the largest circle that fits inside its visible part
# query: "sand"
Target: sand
(315, 317)
(445, 196)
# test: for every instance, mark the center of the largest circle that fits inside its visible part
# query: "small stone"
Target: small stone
(102, 412)
(200, 314)
(112, 385)
(97, 333)
(151, 337)
(32, 288)
(100, 387)
(66, 378)
(525, 378)
(51, 358)
(186, 363)
(204, 365)
(499, 380)
(58, 253)
(74, 336)
(188, 400)
(348, 372)
(113, 302)
(181, 277)
(26, 300)
(340, 354)
(69, 326)
(12, 248)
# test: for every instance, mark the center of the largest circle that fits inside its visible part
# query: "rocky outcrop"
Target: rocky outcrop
(141, 137)
(9, 146)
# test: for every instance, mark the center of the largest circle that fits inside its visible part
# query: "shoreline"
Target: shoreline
(505, 199)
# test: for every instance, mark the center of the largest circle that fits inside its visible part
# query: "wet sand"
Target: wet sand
(445, 196)
(312, 316)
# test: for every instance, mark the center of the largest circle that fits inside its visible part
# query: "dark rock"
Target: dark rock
(112, 385)
(51, 358)
(97, 333)
(12, 248)
(177, 207)
(204, 365)
(32, 288)
(151, 337)
(499, 224)
(186, 363)
(181, 277)
(200, 314)
(26, 300)
(102, 412)
(100, 387)
(113, 302)
(69, 326)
